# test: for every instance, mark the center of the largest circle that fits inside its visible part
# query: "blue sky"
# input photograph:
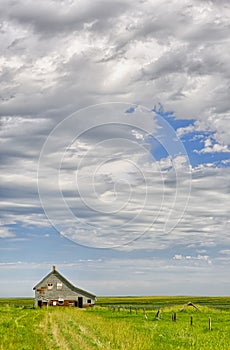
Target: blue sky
(115, 147)
(195, 141)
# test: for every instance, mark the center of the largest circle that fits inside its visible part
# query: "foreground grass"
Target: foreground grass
(102, 328)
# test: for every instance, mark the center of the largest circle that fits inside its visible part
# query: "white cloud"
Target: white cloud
(6, 232)
(111, 189)
(213, 148)
(210, 146)
(178, 257)
(225, 251)
(58, 59)
(193, 259)
(187, 129)
(138, 277)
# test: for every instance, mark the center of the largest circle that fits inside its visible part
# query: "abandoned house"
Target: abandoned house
(56, 290)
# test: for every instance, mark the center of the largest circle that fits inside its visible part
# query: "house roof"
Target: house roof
(66, 282)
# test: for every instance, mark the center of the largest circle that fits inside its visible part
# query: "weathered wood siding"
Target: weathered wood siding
(53, 289)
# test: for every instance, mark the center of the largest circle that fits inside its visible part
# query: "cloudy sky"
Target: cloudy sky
(115, 145)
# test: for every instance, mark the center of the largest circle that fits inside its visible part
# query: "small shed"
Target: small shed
(55, 290)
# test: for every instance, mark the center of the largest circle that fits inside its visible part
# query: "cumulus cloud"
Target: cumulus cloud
(107, 182)
(210, 147)
(59, 57)
(5, 232)
(196, 260)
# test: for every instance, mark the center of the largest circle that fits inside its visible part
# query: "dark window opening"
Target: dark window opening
(80, 302)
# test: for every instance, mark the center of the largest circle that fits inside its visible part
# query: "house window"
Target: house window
(50, 286)
(89, 301)
(60, 301)
(59, 285)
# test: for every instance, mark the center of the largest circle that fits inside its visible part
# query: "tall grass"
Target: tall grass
(102, 328)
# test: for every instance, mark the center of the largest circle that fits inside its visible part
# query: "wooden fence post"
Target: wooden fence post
(174, 316)
(157, 316)
(210, 323)
(191, 320)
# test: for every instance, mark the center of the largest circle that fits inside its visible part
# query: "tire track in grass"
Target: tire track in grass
(37, 338)
(107, 334)
(91, 329)
(56, 326)
(73, 331)
(52, 327)
(45, 330)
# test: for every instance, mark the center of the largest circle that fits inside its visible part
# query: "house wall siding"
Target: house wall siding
(66, 293)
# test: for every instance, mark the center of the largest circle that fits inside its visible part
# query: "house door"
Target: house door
(80, 302)
(40, 303)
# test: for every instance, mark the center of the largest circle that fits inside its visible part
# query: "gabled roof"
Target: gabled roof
(66, 282)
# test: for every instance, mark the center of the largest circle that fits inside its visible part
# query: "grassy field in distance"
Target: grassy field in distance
(153, 302)
(115, 326)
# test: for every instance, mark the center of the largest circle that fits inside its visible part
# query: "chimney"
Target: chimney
(54, 268)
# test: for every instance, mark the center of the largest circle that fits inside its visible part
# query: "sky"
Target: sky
(115, 145)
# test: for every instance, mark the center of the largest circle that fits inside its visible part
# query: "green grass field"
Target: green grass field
(113, 325)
